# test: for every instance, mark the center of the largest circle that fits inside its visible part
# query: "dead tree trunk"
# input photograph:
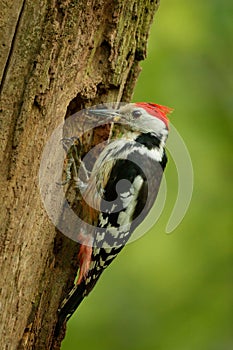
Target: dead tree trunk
(57, 56)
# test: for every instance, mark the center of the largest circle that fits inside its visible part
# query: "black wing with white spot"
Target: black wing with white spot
(126, 202)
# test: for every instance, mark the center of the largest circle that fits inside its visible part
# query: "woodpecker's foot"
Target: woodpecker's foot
(68, 142)
(82, 186)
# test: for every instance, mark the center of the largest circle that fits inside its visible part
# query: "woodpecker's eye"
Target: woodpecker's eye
(136, 114)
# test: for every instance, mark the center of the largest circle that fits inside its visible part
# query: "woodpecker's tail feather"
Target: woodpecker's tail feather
(73, 300)
(69, 305)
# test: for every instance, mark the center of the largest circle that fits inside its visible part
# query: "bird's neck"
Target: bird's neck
(149, 140)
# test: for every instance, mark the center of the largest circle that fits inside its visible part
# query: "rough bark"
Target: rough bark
(57, 56)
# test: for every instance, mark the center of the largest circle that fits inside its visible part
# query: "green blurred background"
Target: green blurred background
(175, 292)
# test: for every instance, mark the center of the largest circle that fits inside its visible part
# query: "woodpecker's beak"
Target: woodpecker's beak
(111, 114)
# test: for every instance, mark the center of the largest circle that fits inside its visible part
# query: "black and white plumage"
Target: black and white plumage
(123, 186)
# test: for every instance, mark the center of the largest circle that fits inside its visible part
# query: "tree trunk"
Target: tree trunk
(57, 56)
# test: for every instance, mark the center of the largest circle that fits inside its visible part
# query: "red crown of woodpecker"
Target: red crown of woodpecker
(156, 110)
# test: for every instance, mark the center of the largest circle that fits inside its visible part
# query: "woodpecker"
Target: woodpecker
(122, 188)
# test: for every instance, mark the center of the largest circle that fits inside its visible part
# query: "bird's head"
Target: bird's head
(140, 117)
(146, 117)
